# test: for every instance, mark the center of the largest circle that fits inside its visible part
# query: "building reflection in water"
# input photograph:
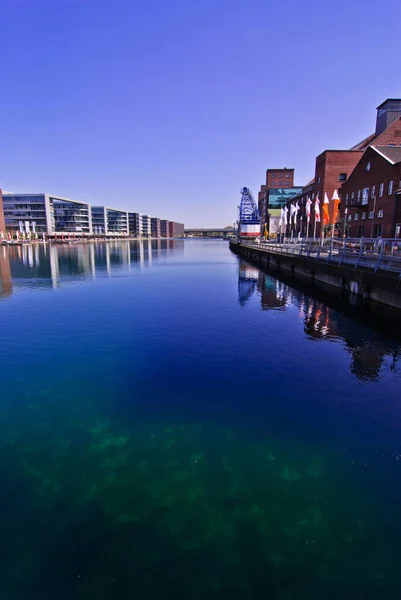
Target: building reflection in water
(367, 348)
(6, 284)
(50, 265)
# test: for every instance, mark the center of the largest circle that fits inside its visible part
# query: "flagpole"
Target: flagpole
(307, 227)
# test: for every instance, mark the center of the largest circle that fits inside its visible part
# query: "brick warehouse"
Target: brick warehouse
(368, 198)
(334, 167)
(275, 179)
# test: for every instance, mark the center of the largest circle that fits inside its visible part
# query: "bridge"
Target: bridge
(225, 232)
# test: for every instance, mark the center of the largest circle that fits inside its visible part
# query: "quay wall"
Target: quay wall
(379, 287)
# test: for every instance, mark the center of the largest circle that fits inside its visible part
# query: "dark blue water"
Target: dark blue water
(176, 423)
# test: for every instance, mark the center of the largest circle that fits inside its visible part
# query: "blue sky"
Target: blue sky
(169, 108)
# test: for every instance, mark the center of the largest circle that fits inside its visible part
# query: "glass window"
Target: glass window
(319, 179)
(342, 177)
(381, 190)
(352, 195)
(371, 214)
(358, 195)
(365, 195)
(380, 214)
(390, 187)
(367, 166)
(349, 217)
(372, 191)
(363, 216)
(356, 216)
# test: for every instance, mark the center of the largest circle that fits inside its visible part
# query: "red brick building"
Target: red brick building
(333, 168)
(279, 178)
(368, 199)
(2, 222)
(176, 229)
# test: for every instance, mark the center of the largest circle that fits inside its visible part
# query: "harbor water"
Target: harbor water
(177, 424)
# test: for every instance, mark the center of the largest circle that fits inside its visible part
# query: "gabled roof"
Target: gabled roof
(391, 153)
(364, 143)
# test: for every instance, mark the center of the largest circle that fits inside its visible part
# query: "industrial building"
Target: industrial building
(176, 229)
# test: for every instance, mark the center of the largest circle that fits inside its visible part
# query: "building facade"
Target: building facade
(164, 228)
(368, 199)
(46, 214)
(155, 227)
(134, 224)
(2, 221)
(176, 229)
(146, 226)
(109, 221)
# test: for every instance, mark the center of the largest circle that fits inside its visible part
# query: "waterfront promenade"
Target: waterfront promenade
(369, 268)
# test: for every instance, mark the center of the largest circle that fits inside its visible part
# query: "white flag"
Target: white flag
(317, 210)
(285, 215)
(308, 205)
(297, 208)
(292, 211)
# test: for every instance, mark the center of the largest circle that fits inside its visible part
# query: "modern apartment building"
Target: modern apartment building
(44, 213)
(135, 224)
(109, 221)
(155, 227)
(164, 228)
(146, 226)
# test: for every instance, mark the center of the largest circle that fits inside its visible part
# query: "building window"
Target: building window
(313, 195)
(346, 197)
(365, 196)
(398, 230)
(287, 176)
(352, 196)
(367, 166)
(372, 191)
(343, 177)
(363, 216)
(319, 179)
(391, 144)
(381, 190)
(273, 175)
(390, 187)
(349, 217)
(378, 230)
(380, 214)
(356, 216)
(358, 195)
(371, 214)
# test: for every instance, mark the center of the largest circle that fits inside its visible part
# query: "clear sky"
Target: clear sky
(170, 107)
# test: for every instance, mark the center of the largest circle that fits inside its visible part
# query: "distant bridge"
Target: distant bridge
(212, 232)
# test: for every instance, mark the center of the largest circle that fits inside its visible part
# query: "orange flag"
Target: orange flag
(336, 202)
(326, 218)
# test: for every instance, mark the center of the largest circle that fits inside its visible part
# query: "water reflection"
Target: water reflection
(368, 349)
(48, 265)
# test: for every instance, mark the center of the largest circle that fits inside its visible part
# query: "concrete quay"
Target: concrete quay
(372, 276)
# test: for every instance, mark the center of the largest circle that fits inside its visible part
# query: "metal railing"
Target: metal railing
(376, 254)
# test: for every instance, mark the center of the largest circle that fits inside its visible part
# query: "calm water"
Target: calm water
(177, 424)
